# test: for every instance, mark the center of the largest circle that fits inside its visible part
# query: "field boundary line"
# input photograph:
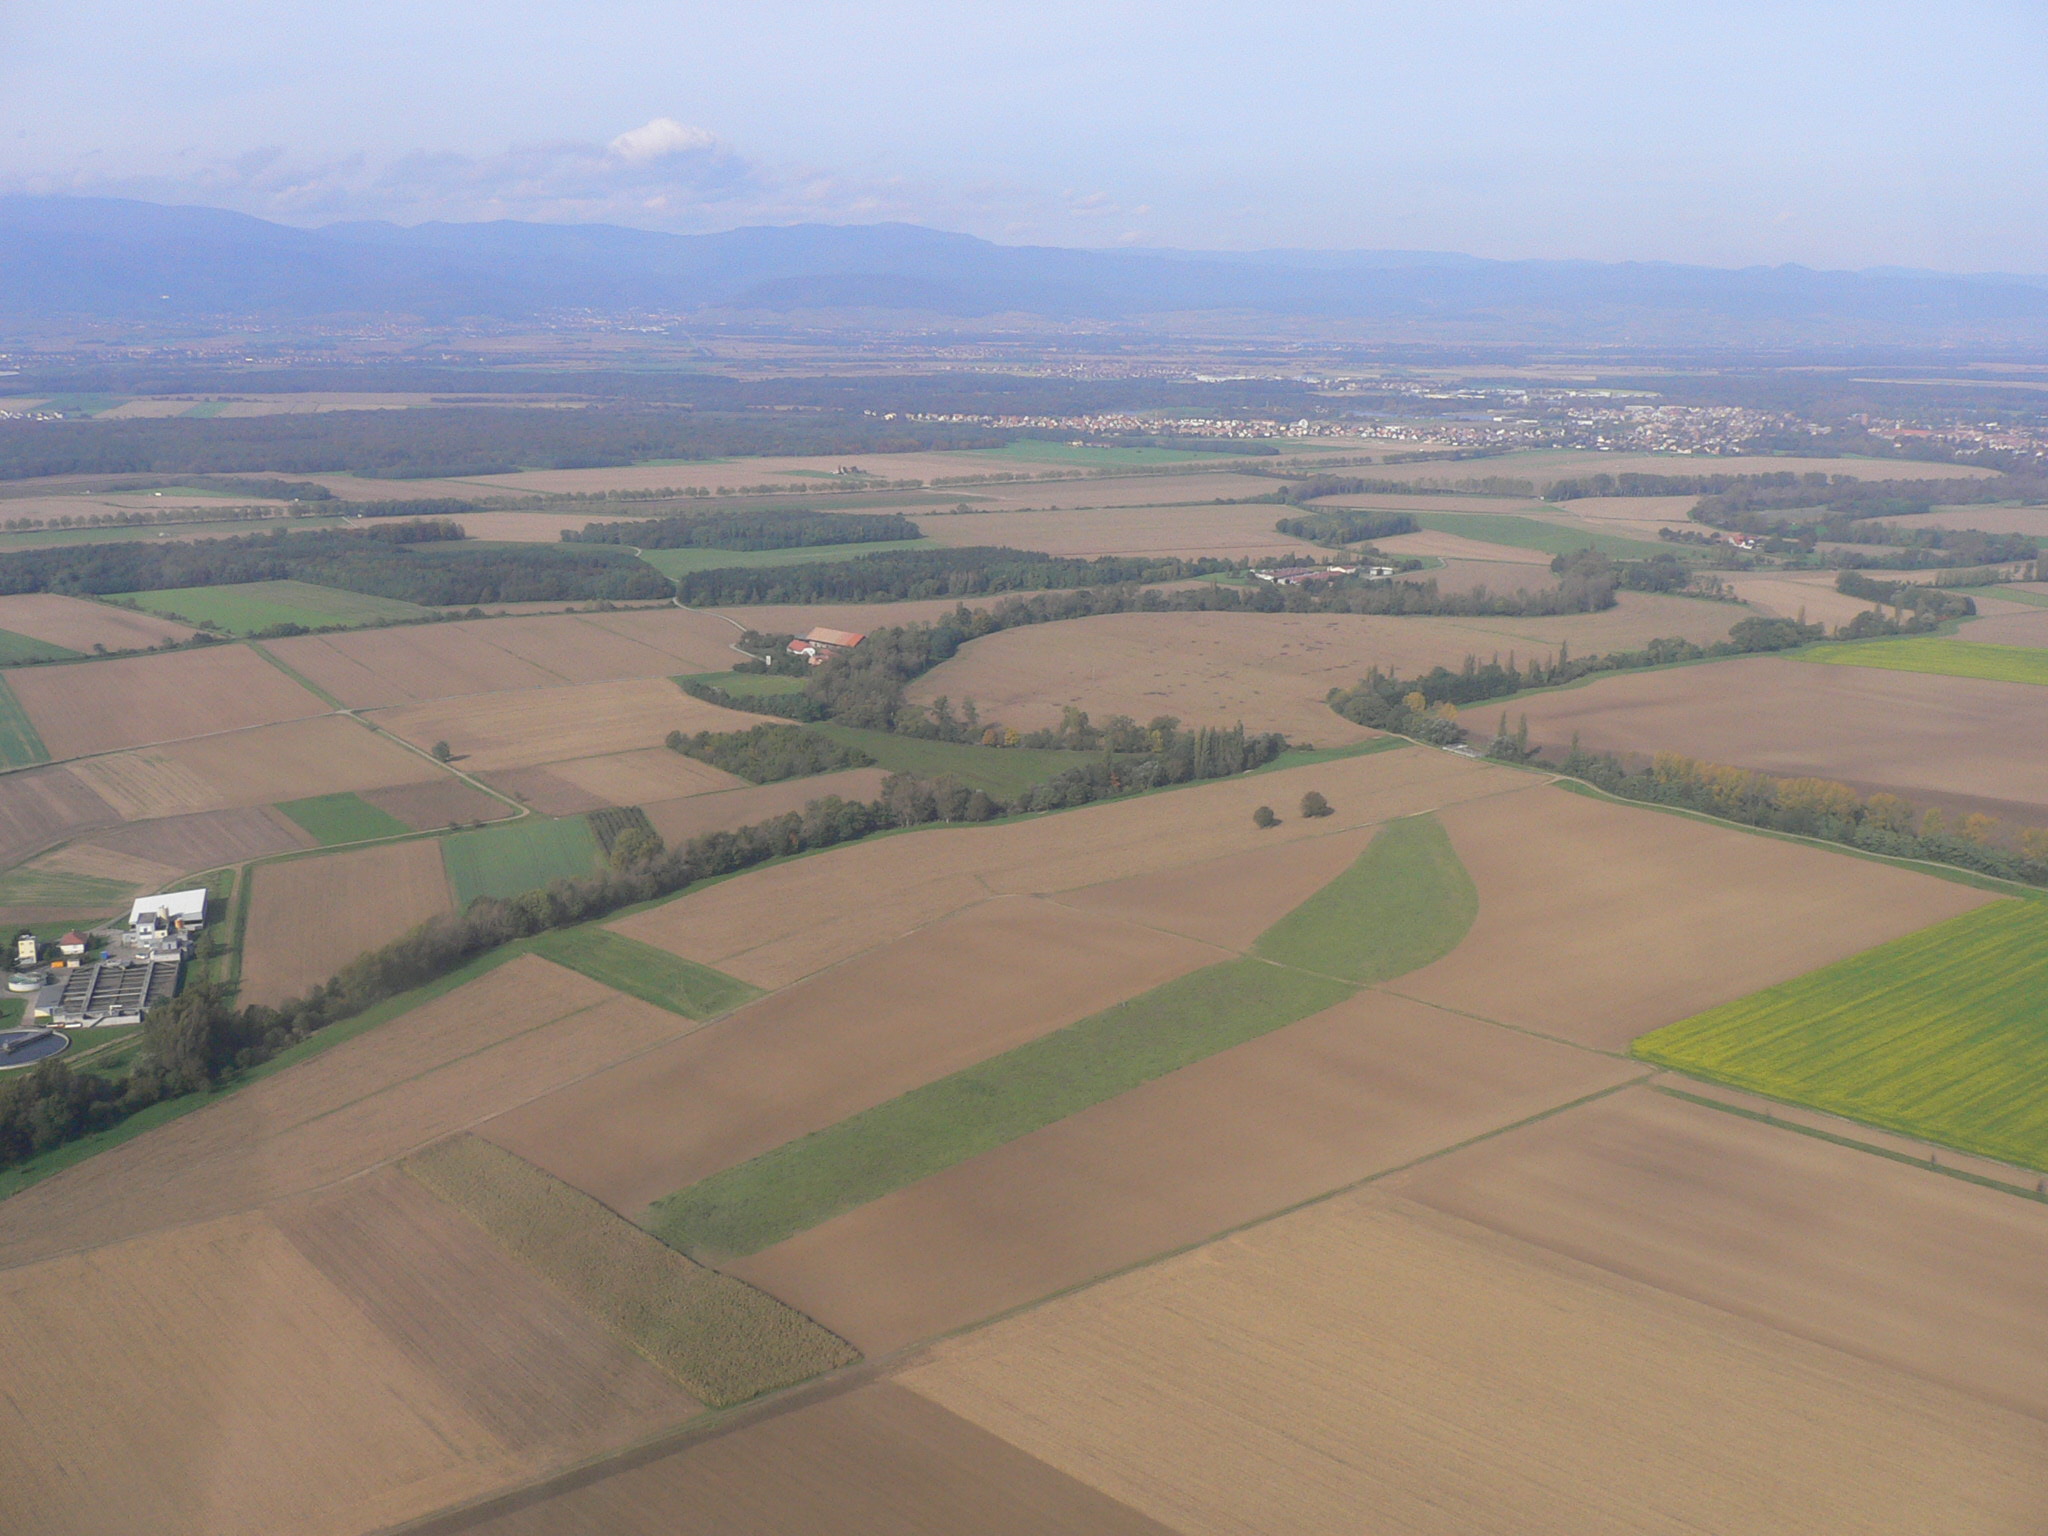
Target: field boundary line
(1821, 1133)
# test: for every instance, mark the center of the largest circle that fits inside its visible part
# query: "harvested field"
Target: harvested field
(310, 917)
(443, 801)
(1893, 1264)
(212, 1381)
(1269, 670)
(322, 756)
(1638, 517)
(526, 527)
(141, 700)
(538, 1374)
(2030, 520)
(774, 925)
(1889, 730)
(474, 1052)
(45, 806)
(1460, 575)
(648, 773)
(79, 881)
(79, 625)
(1372, 1354)
(209, 839)
(680, 820)
(1811, 599)
(544, 791)
(1936, 1034)
(544, 726)
(377, 668)
(1599, 921)
(2009, 628)
(1189, 532)
(1370, 1084)
(1534, 564)
(875, 1459)
(938, 1000)
(722, 1339)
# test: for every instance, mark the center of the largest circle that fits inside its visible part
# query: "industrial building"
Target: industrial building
(110, 992)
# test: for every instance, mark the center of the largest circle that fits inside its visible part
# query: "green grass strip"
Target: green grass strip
(1941, 1035)
(720, 1337)
(802, 1183)
(519, 856)
(342, 818)
(19, 744)
(1405, 902)
(747, 685)
(18, 648)
(640, 970)
(1945, 658)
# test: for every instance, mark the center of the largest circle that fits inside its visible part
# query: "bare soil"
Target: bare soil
(876, 1459)
(44, 806)
(518, 1031)
(1922, 736)
(246, 768)
(108, 705)
(647, 773)
(309, 917)
(1892, 1263)
(444, 801)
(1599, 921)
(544, 726)
(1366, 1086)
(1372, 1354)
(2009, 628)
(80, 625)
(938, 1000)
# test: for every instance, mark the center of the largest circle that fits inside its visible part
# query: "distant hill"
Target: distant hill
(105, 258)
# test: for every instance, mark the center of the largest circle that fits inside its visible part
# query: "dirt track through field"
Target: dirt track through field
(1922, 736)
(1368, 1085)
(310, 917)
(1372, 1354)
(955, 993)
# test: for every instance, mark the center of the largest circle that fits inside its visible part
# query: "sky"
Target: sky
(1832, 134)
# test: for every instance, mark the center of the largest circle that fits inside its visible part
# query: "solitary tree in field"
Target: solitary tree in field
(1264, 817)
(443, 753)
(1313, 804)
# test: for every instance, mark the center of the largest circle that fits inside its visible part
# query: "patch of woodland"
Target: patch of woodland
(768, 754)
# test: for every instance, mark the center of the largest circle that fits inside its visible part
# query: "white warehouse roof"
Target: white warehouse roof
(186, 906)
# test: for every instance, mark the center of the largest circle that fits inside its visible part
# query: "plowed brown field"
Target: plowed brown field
(650, 773)
(1366, 1086)
(519, 1030)
(1369, 1354)
(552, 725)
(243, 768)
(874, 1460)
(309, 917)
(2009, 628)
(1954, 739)
(938, 1000)
(444, 801)
(1269, 670)
(1893, 1263)
(1599, 921)
(1813, 600)
(680, 820)
(140, 700)
(73, 622)
(45, 806)
(209, 839)
(774, 925)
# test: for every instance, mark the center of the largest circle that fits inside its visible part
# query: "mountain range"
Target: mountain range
(115, 259)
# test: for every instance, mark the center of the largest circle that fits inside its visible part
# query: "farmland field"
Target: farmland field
(719, 1337)
(1532, 533)
(1191, 532)
(19, 744)
(309, 917)
(534, 726)
(136, 701)
(342, 818)
(15, 649)
(1004, 772)
(80, 626)
(519, 856)
(680, 562)
(642, 971)
(1945, 658)
(722, 810)
(251, 606)
(1407, 878)
(1938, 1034)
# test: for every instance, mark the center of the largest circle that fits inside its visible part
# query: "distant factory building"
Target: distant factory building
(173, 913)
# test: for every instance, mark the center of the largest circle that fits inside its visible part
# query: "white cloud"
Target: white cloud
(660, 138)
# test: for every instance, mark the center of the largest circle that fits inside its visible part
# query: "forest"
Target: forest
(767, 754)
(1337, 527)
(766, 528)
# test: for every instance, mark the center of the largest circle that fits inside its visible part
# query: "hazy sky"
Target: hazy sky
(1836, 134)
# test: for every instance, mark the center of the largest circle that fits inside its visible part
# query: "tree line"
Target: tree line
(762, 528)
(902, 575)
(381, 561)
(768, 754)
(1340, 527)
